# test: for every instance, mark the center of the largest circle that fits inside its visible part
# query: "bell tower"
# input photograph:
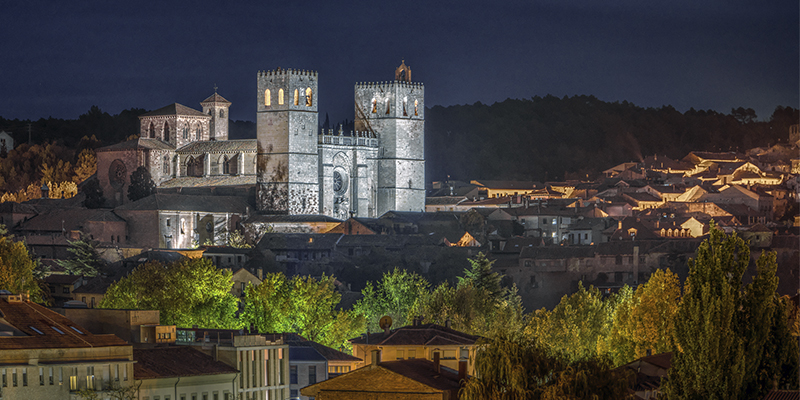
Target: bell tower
(287, 168)
(395, 112)
(217, 107)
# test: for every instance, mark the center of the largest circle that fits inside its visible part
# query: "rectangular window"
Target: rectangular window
(293, 393)
(51, 376)
(65, 290)
(293, 374)
(216, 396)
(124, 372)
(312, 374)
(24, 377)
(411, 354)
(5, 379)
(400, 354)
(90, 378)
(14, 377)
(41, 376)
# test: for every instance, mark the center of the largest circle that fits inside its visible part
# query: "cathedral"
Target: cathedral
(296, 169)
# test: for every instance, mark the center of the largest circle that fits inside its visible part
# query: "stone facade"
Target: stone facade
(297, 170)
(380, 167)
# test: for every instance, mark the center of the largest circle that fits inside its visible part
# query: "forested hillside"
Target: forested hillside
(548, 138)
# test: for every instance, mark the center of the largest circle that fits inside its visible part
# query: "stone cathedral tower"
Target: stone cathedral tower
(394, 112)
(217, 107)
(287, 180)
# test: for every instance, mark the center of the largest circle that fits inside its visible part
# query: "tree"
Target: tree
(304, 305)
(721, 328)
(94, 194)
(86, 261)
(574, 327)
(642, 320)
(191, 291)
(141, 185)
(509, 366)
(17, 268)
(86, 165)
(478, 305)
(236, 239)
(394, 295)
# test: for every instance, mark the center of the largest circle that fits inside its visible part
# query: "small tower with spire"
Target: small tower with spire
(217, 107)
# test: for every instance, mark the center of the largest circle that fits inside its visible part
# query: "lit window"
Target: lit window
(296, 97)
(267, 99)
(374, 106)
(308, 97)
(280, 97)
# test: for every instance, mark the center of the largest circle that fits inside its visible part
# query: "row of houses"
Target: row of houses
(70, 353)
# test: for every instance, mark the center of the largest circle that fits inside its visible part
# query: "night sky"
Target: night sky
(59, 58)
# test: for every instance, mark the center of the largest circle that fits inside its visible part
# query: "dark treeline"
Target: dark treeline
(546, 138)
(107, 128)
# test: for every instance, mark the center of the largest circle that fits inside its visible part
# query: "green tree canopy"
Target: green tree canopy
(304, 305)
(723, 329)
(508, 366)
(17, 268)
(141, 185)
(186, 292)
(86, 260)
(394, 295)
(477, 305)
(574, 327)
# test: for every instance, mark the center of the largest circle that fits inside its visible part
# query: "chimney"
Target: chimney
(462, 369)
(376, 357)
(447, 323)
(260, 272)
(436, 366)
(649, 352)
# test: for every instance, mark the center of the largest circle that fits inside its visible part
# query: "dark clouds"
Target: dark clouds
(59, 58)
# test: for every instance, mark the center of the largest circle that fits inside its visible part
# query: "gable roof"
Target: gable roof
(415, 376)
(419, 335)
(175, 109)
(215, 98)
(175, 361)
(220, 146)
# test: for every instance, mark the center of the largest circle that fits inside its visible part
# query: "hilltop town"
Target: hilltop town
(347, 209)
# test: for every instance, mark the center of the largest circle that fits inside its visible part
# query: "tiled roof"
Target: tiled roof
(175, 109)
(175, 361)
(415, 377)
(782, 395)
(444, 200)
(298, 241)
(326, 352)
(301, 353)
(68, 219)
(206, 181)
(145, 143)
(419, 335)
(220, 146)
(182, 202)
(45, 329)
(215, 98)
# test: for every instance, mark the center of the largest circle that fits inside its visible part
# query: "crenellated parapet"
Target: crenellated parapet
(286, 72)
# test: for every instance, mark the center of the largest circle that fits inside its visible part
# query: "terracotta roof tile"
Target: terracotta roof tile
(167, 362)
(46, 329)
(215, 98)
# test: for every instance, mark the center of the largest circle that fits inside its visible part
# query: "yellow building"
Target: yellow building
(418, 341)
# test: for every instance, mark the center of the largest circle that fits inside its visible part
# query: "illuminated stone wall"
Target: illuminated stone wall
(286, 124)
(394, 112)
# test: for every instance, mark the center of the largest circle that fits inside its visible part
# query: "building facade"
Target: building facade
(296, 169)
